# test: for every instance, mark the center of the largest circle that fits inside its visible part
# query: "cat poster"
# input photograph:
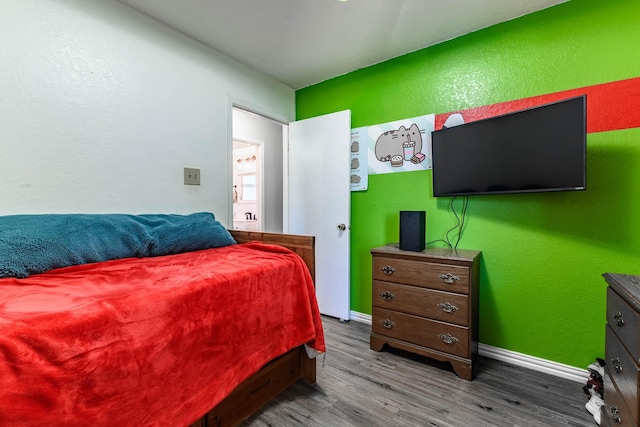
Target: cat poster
(400, 146)
(359, 147)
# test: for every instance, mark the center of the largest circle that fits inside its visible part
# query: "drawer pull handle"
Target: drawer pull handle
(386, 323)
(617, 366)
(448, 338)
(615, 414)
(449, 278)
(447, 307)
(618, 319)
(388, 270)
(387, 296)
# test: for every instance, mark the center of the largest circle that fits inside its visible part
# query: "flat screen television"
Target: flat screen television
(534, 150)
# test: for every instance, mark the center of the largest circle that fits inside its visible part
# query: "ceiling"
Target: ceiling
(303, 42)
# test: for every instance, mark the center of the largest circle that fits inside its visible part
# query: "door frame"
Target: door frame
(250, 107)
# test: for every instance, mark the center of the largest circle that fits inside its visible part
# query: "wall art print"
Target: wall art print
(359, 146)
(400, 146)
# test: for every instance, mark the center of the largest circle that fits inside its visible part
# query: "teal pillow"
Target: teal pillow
(174, 234)
(31, 244)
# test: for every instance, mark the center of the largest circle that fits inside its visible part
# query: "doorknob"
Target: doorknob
(342, 227)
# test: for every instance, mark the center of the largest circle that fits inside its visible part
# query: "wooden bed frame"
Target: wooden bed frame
(278, 374)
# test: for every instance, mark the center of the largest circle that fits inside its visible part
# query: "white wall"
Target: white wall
(101, 108)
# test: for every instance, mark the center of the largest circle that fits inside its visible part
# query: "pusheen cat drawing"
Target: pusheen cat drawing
(355, 163)
(402, 142)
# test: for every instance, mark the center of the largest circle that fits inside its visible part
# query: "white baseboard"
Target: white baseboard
(360, 317)
(535, 363)
(530, 362)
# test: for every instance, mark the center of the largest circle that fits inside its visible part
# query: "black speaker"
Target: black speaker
(412, 230)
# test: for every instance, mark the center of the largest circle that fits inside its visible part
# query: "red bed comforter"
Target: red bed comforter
(150, 341)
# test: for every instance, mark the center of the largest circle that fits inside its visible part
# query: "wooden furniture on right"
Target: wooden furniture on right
(427, 303)
(622, 351)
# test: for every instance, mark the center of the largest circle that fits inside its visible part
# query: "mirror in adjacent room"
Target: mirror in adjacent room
(247, 184)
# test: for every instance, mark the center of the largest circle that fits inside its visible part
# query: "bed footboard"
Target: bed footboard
(259, 389)
(302, 245)
(280, 373)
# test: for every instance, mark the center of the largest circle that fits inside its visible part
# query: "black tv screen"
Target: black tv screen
(534, 150)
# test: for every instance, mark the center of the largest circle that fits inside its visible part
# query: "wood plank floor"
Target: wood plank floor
(360, 387)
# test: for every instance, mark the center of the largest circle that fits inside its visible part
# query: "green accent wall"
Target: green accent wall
(543, 255)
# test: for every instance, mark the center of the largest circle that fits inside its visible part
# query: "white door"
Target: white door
(318, 202)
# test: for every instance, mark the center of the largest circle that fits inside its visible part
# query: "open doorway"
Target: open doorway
(252, 131)
(307, 170)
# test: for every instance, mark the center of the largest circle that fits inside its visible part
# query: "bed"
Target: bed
(197, 326)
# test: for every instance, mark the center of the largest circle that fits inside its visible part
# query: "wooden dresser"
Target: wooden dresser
(427, 303)
(622, 351)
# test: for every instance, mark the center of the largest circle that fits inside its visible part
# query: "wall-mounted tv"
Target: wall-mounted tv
(534, 150)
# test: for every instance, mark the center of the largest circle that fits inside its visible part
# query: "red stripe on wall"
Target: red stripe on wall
(610, 106)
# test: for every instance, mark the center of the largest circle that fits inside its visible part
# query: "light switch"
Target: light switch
(191, 176)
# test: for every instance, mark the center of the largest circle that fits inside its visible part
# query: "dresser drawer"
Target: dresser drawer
(624, 321)
(615, 410)
(444, 277)
(623, 370)
(418, 330)
(439, 305)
